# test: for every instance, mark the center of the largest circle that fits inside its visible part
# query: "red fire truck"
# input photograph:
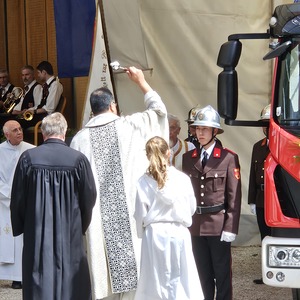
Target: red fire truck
(281, 251)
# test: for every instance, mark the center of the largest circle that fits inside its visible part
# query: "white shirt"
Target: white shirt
(55, 91)
(208, 151)
(37, 95)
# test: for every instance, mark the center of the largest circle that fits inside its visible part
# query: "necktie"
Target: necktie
(26, 88)
(45, 90)
(204, 159)
(45, 95)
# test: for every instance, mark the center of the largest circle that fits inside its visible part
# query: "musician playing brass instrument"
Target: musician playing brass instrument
(5, 87)
(32, 93)
(12, 99)
(51, 92)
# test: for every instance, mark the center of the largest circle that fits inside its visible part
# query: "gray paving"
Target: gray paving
(246, 267)
(7, 293)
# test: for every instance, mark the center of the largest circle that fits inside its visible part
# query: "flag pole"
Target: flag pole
(100, 3)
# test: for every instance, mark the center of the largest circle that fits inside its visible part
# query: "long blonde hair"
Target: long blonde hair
(157, 154)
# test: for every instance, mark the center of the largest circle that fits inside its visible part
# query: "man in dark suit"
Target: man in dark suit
(256, 180)
(215, 175)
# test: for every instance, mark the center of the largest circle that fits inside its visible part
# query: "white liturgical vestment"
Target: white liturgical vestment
(115, 147)
(10, 247)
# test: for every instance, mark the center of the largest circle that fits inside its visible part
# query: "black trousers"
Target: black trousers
(213, 260)
(264, 229)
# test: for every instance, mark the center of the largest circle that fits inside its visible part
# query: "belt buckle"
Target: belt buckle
(198, 210)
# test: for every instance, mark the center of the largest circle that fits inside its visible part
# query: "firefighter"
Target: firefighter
(260, 152)
(215, 176)
(191, 130)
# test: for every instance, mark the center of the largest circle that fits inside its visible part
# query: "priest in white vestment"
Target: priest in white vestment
(115, 147)
(10, 247)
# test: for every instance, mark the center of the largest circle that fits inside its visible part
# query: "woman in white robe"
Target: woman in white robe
(165, 204)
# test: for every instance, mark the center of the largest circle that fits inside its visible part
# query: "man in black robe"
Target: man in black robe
(52, 198)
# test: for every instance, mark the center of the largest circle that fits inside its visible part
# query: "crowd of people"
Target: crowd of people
(129, 211)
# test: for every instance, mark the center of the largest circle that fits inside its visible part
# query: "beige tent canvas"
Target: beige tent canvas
(179, 41)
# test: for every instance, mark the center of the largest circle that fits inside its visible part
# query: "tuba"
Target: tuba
(12, 98)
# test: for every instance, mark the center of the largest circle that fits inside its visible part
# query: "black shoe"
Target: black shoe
(258, 281)
(16, 285)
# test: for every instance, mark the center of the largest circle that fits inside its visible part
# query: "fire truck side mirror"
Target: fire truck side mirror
(228, 59)
(229, 54)
(228, 94)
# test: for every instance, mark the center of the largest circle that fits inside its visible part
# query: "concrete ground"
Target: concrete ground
(246, 267)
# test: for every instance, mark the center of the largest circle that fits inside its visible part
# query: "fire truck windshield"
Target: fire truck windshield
(287, 93)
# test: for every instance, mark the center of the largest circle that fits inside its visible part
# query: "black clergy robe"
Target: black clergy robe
(53, 195)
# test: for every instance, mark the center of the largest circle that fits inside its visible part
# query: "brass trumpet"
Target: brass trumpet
(12, 98)
(28, 115)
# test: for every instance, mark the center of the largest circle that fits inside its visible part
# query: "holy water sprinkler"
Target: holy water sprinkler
(116, 66)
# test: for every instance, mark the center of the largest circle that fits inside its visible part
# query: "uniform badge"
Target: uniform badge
(193, 113)
(201, 116)
(195, 153)
(237, 174)
(217, 152)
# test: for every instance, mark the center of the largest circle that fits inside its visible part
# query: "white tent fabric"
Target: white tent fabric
(180, 40)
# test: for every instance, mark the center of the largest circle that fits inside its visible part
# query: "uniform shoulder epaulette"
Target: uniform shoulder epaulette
(263, 142)
(230, 151)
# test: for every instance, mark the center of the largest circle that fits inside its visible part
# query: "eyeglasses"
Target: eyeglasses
(113, 102)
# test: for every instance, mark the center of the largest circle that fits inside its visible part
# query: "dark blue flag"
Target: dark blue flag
(74, 22)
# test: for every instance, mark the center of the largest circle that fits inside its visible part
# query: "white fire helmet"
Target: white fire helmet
(209, 117)
(265, 113)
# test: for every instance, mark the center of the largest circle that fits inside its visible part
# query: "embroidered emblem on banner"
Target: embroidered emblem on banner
(114, 210)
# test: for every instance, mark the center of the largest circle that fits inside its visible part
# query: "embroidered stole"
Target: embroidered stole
(114, 210)
(179, 149)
